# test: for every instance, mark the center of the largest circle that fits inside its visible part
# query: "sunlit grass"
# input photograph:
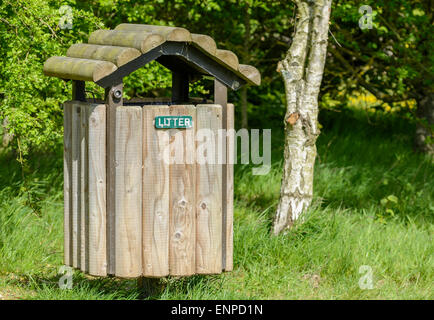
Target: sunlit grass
(349, 225)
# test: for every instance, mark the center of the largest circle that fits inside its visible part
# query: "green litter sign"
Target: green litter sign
(173, 122)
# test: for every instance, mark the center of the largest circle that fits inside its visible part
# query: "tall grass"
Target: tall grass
(373, 206)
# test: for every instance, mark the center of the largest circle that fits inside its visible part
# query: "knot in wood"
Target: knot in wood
(182, 203)
(160, 214)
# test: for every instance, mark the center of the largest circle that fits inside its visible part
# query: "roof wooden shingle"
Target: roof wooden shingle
(110, 55)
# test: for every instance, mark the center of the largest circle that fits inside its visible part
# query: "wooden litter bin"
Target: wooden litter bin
(128, 211)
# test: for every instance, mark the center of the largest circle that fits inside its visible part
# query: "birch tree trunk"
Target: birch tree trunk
(302, 70)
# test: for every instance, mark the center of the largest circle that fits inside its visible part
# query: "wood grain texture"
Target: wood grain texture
(208, 191)
(251, 73)
(128, 192)
(168, 33)
(76, 184)
(84, 189)
(67, 180)
(117, 55)
(111, 133)
(182, 198)
(228, 57)
(221, 98)
(155, 194)
(97, 190)
(142, 41)
(78, 69)
(205, 42)
(229, 189)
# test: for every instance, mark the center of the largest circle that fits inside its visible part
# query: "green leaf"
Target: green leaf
(390, 211)
(418, 12)
(392, 198)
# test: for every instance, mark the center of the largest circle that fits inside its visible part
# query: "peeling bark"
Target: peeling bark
(302, 70)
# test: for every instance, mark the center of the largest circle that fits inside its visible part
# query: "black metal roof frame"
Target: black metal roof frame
(181, 57)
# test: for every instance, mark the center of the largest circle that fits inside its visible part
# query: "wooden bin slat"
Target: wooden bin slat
(128, 192)
(220, 97)
(67, 174)
(229, 189)
(208, 191)
(112, 103)
(182, 197)
(97, 190)
(84, 190)
(168, 217)
(76, 184)
(155, 194)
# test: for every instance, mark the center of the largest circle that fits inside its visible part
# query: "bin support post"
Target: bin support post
(180, 87)
(149, 286)
(78, 90)
(113, 99)
(221, 98)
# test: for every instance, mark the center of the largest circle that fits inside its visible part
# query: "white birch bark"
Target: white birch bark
(302, 70)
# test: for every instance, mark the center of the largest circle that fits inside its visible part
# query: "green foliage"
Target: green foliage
(150, 80)
(394, 60)
(29, 34)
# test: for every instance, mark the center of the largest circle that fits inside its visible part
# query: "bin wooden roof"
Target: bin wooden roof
(111, 55)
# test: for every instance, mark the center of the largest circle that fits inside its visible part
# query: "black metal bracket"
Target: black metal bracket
(180, 87)
(179, 57)
(78, 90)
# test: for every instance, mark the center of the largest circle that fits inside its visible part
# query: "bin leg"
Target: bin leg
(149, 287)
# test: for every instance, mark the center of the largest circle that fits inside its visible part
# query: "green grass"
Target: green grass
(348, 226)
